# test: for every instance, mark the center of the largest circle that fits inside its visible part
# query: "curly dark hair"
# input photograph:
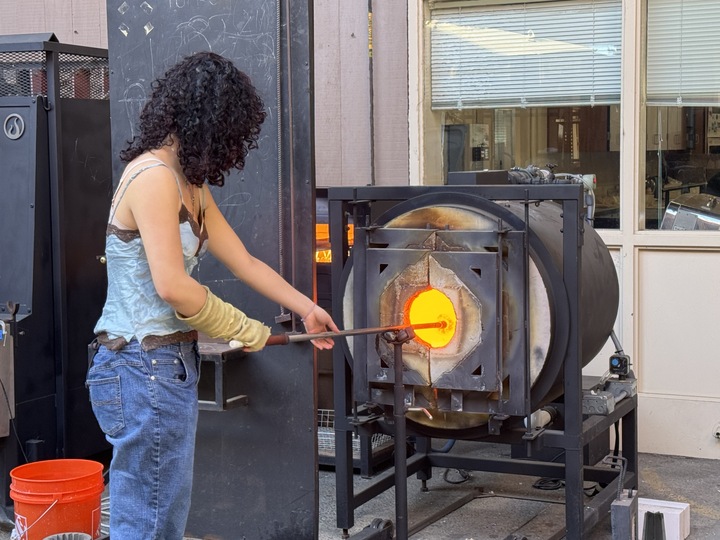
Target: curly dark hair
(211, 108)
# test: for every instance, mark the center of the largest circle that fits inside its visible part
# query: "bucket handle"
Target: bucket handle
(23, 533)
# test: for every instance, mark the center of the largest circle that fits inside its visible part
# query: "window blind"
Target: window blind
(683, 47)
(560, 53)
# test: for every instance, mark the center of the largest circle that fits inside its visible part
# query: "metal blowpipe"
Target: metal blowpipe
(284, 339)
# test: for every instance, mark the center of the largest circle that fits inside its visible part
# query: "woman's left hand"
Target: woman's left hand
(318, 321)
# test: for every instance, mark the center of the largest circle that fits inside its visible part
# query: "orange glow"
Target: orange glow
(322, 241)
(323, 256)
(432, 305)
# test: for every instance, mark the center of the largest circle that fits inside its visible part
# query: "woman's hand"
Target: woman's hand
(318, 320)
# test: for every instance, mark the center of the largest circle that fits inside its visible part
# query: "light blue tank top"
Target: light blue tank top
(133, 309)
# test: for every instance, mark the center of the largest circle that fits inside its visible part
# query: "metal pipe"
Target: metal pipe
(616, 342)
(401, 518)
(284, 339)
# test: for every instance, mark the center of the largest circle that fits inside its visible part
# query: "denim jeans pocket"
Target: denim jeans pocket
(107, 404)
(169, 364)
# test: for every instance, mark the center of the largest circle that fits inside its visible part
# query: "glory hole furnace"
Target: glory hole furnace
(529, 294)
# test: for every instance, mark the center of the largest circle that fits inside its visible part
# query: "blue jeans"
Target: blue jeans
(146, 403)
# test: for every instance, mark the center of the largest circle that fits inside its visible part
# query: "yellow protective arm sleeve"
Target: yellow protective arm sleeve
(218, 319)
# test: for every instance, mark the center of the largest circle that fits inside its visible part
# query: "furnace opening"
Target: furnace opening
(428, 306)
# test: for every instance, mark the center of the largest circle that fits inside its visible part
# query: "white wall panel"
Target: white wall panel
(678, 426)
(677, 313)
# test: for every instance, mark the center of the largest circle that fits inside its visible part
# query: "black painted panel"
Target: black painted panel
(255, 466)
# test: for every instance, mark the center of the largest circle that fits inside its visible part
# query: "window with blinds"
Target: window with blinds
(562, 53)
(683, 47)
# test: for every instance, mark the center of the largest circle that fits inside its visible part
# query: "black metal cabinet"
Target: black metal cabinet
(55, 190)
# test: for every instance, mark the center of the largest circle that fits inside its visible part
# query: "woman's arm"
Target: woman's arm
(227, 247)
(151, 204)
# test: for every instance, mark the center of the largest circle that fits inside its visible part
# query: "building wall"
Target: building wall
(361, 97)
(668, 317)
(343, 151)
(390, 92)
(78, 22)
(667, 311)
(668, 308)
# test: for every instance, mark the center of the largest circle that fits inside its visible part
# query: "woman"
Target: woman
(201, 120)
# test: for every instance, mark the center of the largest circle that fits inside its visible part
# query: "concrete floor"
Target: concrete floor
(506, 502)
(499, 504)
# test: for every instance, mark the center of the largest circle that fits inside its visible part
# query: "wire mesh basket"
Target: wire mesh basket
(326, 436)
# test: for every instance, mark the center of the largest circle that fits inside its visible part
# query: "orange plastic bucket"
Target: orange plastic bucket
(57, 496)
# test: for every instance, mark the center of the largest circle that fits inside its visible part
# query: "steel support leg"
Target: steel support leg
(401, 503)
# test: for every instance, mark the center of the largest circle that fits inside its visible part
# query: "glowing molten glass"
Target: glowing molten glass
(430, 306)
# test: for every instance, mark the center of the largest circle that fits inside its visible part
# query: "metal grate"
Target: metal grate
(23, 74)
(81, 77)
(326, 436)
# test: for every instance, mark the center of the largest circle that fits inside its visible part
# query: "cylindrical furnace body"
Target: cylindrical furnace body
(500, 266)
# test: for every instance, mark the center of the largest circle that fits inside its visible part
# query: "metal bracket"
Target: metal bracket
(213, 354)
(533, 434)
(360, 421)
(379, 529)
(495, 423)
(624, 515)
(283, 317)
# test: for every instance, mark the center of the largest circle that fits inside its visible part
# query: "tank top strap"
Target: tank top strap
(201, 219)
(119, 194)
